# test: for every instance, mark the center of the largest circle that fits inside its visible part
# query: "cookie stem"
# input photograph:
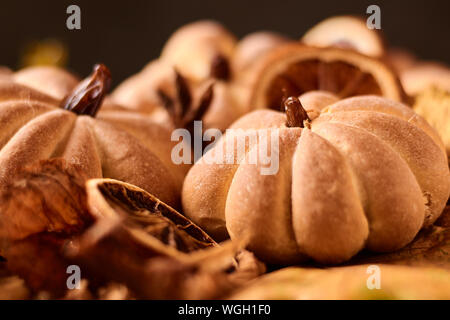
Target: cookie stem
(87, 97)
(295, 113)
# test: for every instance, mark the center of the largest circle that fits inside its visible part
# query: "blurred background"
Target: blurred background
(126, 35)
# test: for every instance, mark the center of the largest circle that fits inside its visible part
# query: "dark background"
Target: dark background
(125, 35)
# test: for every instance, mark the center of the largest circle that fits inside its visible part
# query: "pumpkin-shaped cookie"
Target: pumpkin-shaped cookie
(5, 73)
(349, 32)
(253, 47)
(39, 124)
(198, 54)
(363, 172)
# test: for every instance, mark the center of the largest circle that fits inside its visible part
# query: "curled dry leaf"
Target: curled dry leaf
(46, 197)
(39, 212)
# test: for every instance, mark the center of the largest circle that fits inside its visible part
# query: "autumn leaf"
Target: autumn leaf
(431, 247)
(47, 197)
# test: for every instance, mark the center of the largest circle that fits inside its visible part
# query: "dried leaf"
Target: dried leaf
(46, 197)
(188, 105)
(431, 247)
(39, 213)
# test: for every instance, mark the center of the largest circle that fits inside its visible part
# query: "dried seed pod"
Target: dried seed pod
(156, 92)
(184, 110)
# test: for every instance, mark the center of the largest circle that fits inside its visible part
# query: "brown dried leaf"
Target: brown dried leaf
(39, 212)
(190, 103)
(46, 197)
(431, 247)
